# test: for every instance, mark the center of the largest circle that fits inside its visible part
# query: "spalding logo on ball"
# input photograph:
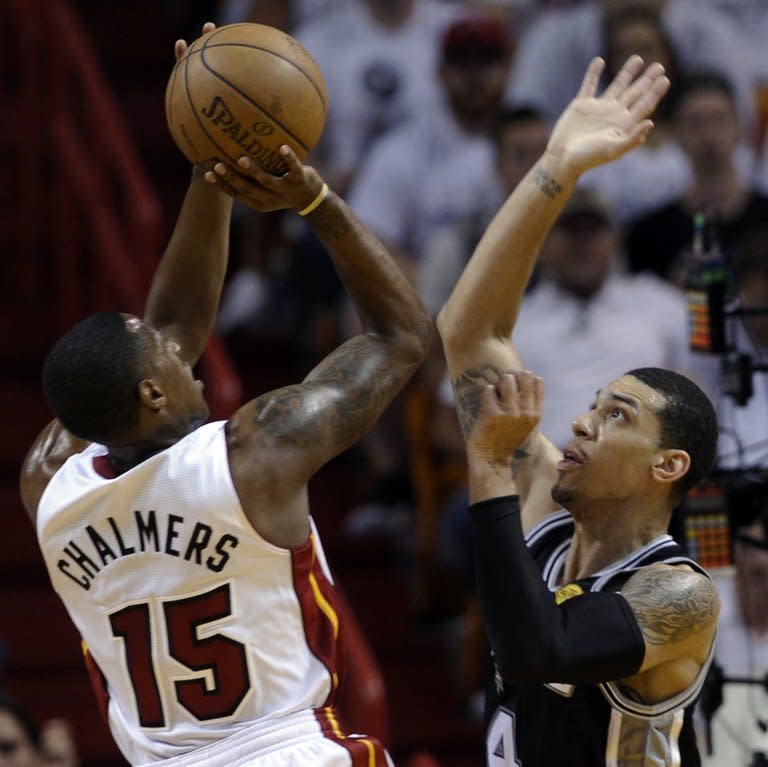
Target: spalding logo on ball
(245, 89)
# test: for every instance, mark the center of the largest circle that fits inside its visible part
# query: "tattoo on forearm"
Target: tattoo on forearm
(329, 220)
(547, 184)
(340, 400)
(671, 606)
(468, 388)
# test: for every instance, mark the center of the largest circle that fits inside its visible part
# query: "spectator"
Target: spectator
(436, 169)
(559, 45)
(379, 59)
(707, 127)
(658, 171)
(519, 138)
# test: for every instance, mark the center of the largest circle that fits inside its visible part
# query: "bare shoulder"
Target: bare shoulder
(673, 604)
(44, 458)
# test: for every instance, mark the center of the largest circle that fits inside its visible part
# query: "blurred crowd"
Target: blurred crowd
(437, 109)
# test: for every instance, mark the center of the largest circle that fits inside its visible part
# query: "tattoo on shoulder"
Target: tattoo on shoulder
(468, 388)
(550, 186)
(671, 604)
(329, 220)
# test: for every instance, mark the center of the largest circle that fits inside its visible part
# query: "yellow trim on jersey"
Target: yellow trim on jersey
(334, 724)
(341, 736)
(568, 591)
(324, 605)
(371, 753)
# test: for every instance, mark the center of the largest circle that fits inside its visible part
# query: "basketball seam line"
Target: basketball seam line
(273, 53)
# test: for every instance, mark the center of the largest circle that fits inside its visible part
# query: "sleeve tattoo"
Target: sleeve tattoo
(468, 389)
(671, 606)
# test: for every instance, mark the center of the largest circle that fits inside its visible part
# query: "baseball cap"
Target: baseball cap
(478, 38)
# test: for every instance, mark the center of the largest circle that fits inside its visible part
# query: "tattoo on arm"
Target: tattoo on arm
(468, 388)
(547, 184)
(671, 605)
(338, 402)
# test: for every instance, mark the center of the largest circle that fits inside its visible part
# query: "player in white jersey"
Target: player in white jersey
(185, 553)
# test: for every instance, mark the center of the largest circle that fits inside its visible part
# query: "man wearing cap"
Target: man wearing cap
(438, 167)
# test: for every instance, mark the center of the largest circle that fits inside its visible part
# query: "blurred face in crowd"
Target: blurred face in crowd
(580, 253)
(638, 35)
(707, 127)
(475, 84)
(16, 750)
(520, 145)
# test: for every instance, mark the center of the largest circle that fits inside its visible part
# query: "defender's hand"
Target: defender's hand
(509, 411)
(595, 130)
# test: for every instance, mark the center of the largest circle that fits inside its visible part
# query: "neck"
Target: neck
(124, 457)
(717, 192)
(605, 538)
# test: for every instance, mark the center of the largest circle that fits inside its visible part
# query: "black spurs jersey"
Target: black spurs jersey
(565, 725)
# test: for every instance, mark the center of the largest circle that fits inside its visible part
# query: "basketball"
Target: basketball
(245, 89)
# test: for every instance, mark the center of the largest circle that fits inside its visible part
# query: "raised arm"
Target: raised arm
(184, 296)
(279, 440)
(477, 321)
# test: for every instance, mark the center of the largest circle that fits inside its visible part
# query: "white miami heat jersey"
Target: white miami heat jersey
(200, 628)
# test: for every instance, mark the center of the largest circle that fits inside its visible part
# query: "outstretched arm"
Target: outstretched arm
(185, 291)
(477, 321)
(279, 440)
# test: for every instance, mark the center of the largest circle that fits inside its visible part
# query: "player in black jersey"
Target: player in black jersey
(601, 629)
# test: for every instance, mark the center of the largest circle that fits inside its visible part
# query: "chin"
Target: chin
(561, 495)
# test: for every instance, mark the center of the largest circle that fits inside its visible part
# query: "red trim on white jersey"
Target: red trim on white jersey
(320, 611)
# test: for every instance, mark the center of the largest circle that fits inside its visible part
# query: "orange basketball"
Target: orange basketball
(245, 89)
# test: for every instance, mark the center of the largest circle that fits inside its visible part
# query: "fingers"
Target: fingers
(291, 160)
(647, 82)
(520, 392)
(639, 133)
(591, 78)
(233, 183)
(648, 100)
(627, 74)
(180, 47)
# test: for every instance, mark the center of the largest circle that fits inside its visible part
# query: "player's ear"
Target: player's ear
(671, 465)
(151, 395)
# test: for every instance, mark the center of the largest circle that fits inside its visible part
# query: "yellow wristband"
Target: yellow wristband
(322, 194)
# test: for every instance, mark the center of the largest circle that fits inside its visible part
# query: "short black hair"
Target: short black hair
(22, 717)
(514, 114)
(688, 422)
(702, 80)
(91, 375)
